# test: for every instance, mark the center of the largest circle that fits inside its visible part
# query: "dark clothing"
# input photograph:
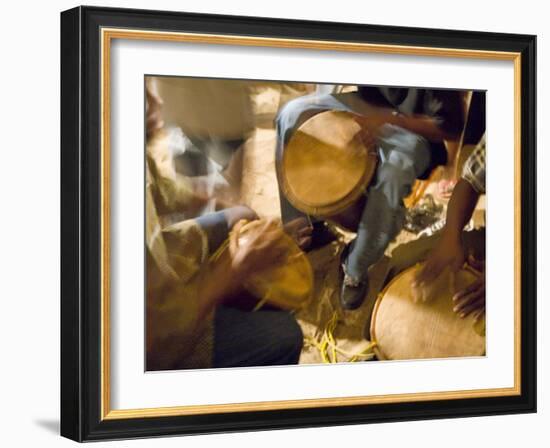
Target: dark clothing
(445, 106)
(260, 338)
(244, 338)
(475, 123)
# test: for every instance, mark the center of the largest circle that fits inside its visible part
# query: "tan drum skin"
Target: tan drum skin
(326, 167)
(403, 329)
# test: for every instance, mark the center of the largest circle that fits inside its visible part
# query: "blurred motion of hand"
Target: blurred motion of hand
(448, 253)
(261, 248)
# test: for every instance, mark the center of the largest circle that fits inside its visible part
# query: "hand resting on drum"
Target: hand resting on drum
(471, 300)
(444, 283)
(449, 253)
(466, 301)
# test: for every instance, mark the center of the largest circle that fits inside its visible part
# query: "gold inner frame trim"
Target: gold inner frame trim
(107, 35)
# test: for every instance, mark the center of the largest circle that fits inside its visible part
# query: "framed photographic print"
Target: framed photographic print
(276, 224)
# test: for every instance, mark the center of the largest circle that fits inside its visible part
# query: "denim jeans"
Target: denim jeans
(403, 156)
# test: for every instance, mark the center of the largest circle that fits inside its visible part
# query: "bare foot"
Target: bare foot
(299, 230)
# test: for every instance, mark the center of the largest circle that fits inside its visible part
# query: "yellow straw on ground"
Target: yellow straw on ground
(329, 350)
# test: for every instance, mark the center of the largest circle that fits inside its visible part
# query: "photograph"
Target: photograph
(291, 223)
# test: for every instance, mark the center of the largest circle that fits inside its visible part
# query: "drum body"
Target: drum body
(288, 285)
(326, 166)
(403, 329)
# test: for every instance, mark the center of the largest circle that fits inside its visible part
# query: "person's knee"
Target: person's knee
(407, 147)
(394, 183)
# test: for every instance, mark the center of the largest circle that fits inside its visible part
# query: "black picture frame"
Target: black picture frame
(81, 223)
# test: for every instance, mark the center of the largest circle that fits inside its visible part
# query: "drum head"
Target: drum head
(403, 329)
(325, 166)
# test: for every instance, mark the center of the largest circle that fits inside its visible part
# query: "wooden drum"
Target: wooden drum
(326, 168)
(403, 329)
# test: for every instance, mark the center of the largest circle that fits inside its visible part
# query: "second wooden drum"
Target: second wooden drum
(403, 329)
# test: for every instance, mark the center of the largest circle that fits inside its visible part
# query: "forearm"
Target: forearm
(422, 125)
(460, 209)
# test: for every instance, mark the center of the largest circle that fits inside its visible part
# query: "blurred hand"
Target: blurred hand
(260, 249)
(300, 231)
(448, 253)
(471, 300)
(371, 127)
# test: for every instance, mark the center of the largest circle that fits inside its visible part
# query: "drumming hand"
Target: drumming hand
(370, 127)
(447, 253)
(300, 231)
(471, 300)
(263, 248)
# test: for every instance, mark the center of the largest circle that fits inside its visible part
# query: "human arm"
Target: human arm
(423, 125)
(471, 300)
(449, 251)
(180, 307)
(438, 116)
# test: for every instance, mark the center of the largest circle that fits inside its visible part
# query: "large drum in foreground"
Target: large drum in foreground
(287, 285)
(403, 329)
(326, 167)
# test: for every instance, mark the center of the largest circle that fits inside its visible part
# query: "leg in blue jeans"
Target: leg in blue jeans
(296, 112)
(403, 157)
(261, 338)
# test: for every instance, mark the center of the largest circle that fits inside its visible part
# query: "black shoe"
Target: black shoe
(353, 296)
(352, 292)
